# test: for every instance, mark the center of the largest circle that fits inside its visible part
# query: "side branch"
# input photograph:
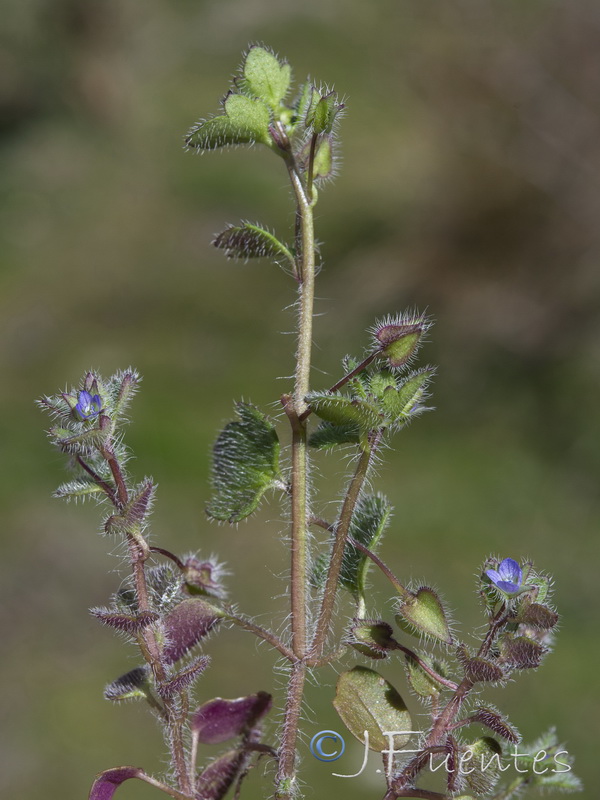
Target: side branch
(341, 538)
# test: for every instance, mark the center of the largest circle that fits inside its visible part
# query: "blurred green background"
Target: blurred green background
(470, 185)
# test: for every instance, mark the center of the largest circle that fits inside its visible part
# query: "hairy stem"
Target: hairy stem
(344, 380)
(445, 721)
(425, 667)
(295, 407)
(402, 591)
(138, 553)
(97, 479)
(286, 772)
(341, 538)
(262, 633)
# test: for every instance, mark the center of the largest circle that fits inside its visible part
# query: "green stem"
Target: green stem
(341, 537)
(311, 164)
(295, 407)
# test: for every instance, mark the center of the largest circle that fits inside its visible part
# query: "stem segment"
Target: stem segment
(341, 538)
(295, 406)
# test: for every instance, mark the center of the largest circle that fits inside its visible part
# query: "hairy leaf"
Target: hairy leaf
(328, 435)
(245, 465)
(370, 519)
(128, 623)
(496, 722)
(245, 121)
(365, 701)
(420, 680)
(264, 76)
(220, 719)
(107, 782)
(252, 241)
(134, 684)
(214, 782)
(186, 625)
(184, 678)
(423, 613)
(342, 410)
(81, 488)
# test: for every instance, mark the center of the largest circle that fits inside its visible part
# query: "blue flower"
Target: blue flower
(508, 577)
(88, 406)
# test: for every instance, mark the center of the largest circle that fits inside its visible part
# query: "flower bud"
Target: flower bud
(398, 338)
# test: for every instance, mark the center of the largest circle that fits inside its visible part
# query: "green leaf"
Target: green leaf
(422, 682)
(264, 76)
(380, 382)
(252, 241)
(245, 121)
(80, 443)
(404, 402)
(369, 521)
(307, 96)
(245, 465)
(372, 637)
(323, 163)
(341, 410)
(328, 435)
(365, 701)
(77, 489)
(322, 112)
(423, 613)
(480, 764)
(318, 572)
(250, 117)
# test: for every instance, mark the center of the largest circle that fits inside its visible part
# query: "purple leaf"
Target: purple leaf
(107, 783)
(186, 625)
(219, 719)
(492, 720)
(129, 623)
(213, 783)
(481, 670)
(184, 678)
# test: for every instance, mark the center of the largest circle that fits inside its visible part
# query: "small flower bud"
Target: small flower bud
(372, 638)
(203, 577)
(398, 338)
(423, 613)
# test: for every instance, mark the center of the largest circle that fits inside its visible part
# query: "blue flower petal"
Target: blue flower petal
(493, 575)
(508, 587)
(510, 571)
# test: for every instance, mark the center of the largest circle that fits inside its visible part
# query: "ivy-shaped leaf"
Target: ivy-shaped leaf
(246, 121)
(245, 465)
(264, 76)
